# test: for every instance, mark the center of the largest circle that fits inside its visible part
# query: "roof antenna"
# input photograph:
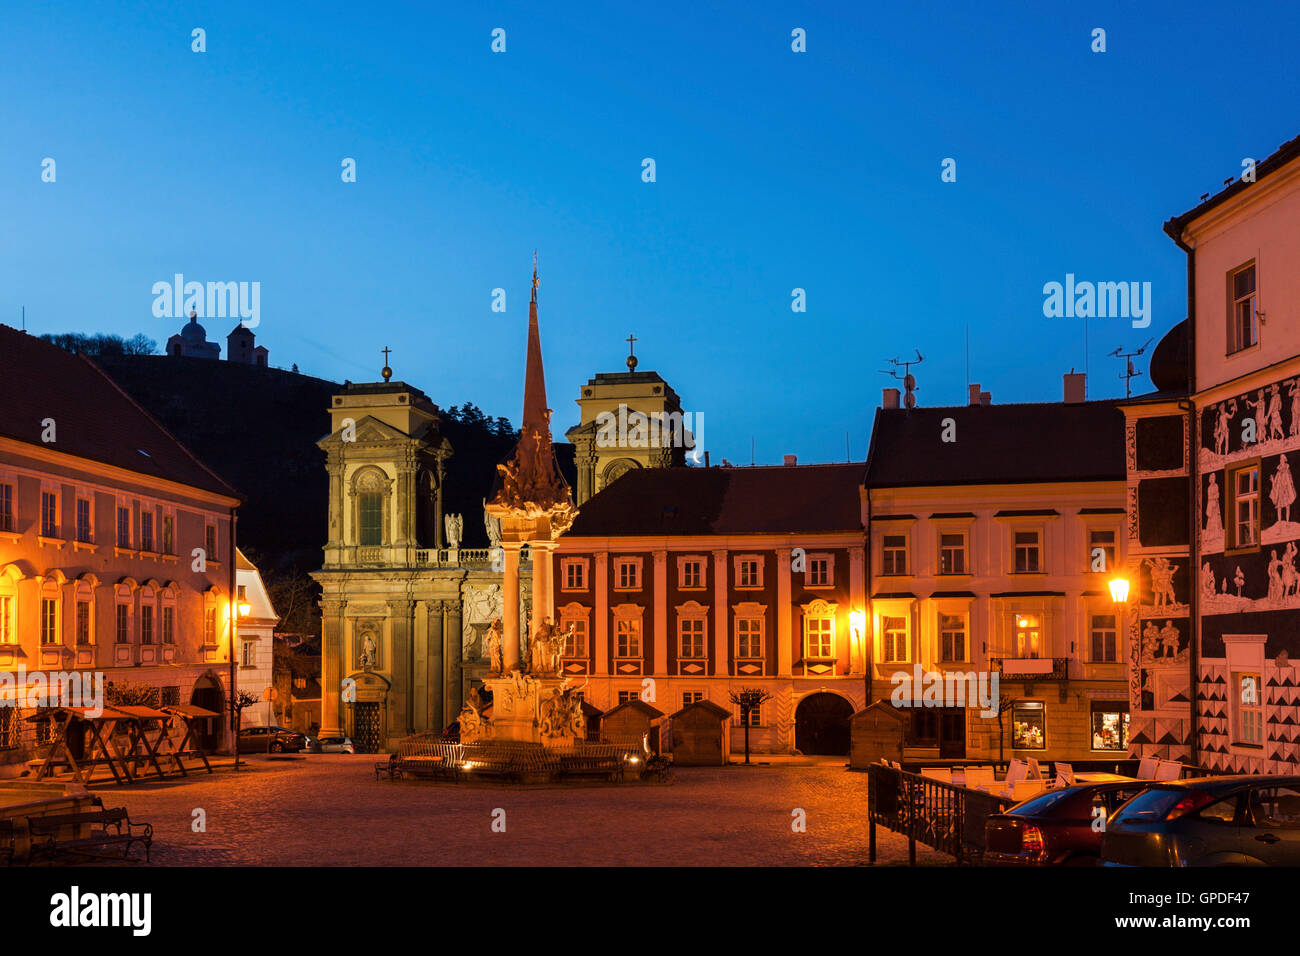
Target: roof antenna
(1130, 372)
(909, 380)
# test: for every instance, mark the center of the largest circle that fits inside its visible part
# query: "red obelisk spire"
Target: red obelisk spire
(534, 377)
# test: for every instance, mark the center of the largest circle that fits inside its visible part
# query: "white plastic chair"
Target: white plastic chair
(1064, 775)
(1147, 768)
(1169, 770)
(979, 777)
(943, 774)
(1016, 770)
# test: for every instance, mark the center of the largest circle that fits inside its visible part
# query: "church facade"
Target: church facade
(404, 606)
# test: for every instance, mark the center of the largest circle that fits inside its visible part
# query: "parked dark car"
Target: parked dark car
(1056, 827)
(1243, 820)
(261, 740)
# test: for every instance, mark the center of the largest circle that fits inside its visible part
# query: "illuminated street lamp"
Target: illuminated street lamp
(1119, 590)
(858, 630)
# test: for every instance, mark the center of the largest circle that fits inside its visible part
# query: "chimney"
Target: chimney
(706, 459)
(973, 394)
(1076, 387)
(890, 399)
(790, 460)
(986, 398)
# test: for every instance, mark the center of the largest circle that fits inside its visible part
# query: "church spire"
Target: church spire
(531, 479)
(536, 413)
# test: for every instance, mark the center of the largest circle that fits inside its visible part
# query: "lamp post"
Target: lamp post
(858, 630)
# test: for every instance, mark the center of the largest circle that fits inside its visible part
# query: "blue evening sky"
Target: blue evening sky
(775, 170)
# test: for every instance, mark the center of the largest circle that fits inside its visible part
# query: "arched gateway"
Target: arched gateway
(821, 725)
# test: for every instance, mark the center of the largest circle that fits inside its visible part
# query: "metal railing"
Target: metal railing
(943, 816)
(1006, 666)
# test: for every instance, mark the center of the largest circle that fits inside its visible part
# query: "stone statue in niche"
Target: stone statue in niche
(453, 525)
(1293, 390)
(369, 651)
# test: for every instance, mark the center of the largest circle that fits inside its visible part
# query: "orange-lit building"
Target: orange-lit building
(685, 584)
(1212, 522)
(115, 544)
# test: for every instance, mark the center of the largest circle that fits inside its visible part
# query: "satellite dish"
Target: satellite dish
(910, 400)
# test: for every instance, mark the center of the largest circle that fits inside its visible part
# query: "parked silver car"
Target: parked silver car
(330, 745)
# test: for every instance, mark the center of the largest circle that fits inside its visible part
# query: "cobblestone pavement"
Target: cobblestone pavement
(322, 810)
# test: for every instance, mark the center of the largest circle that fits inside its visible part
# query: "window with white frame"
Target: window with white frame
(1028, 546)
(1248, 709)
(210, 541)
(1243, 489)
(6, 507)
(627, 637)
(123, 527)
(248, 657)
(49, 514)
(1243, 320)
(1104, 638)
(1101, 550)
(573, 574)
(85, 527)
(122, 623)
(952, 552)
(84, 624)
(691, 697)
(754, 718)
(49, 620)
(168, 624)
(210, 624)
(1029, 636)
(821, 571)
(819, 637)
(690, 573)
(575, 637)
(691, 638)
(146, 530)
(749, 571)
(749, 638)
(146, 623)
(627, 574)
(893, 632)
(952, 638)
(893, 554)
(626, 696)
(8, 633)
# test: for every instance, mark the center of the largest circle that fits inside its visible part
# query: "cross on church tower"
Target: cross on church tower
(387, 372)
(631, 353)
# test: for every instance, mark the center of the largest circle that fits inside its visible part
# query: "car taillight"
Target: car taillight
(1031, 841)
(1188, 804)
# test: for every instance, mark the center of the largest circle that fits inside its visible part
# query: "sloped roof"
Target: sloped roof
(700, 501)
(1285, 153)
(94, 419)
(707, 706)
(997, 444)
(636, 703)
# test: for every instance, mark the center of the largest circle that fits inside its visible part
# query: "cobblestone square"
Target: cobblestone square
(328, 810)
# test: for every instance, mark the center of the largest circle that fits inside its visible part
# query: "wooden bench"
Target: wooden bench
(7, 835)
(594, 760)
(47, 844)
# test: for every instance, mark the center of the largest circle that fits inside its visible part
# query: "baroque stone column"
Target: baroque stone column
(331, 662)
(454, 643)
(402, 704)
(510, 608)
(435, 680)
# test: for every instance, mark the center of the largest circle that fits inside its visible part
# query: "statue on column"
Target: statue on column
(493, 527)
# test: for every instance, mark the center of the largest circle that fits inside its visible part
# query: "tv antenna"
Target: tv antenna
(907, 378)
(1129, 372)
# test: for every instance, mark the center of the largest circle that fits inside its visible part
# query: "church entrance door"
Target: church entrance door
(366, 727)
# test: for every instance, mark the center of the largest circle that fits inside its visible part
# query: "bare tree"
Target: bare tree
(238, 703)
(748, 699)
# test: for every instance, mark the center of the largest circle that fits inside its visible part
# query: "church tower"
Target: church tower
(622, 400)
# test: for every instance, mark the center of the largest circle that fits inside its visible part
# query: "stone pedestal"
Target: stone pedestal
(534, 710)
